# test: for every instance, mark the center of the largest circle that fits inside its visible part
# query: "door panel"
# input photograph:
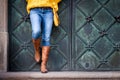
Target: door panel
(95, 35)
(21, 52)
(88, 37)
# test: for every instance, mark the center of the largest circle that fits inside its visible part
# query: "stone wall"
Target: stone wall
(3, 35)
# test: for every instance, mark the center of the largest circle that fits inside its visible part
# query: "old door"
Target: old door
(88, 37)
(21, 51)
(96, 34)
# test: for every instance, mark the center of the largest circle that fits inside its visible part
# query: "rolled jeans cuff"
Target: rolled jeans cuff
(45, 43)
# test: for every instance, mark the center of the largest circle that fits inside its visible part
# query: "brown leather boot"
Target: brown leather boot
(45, 53)
(36, 43)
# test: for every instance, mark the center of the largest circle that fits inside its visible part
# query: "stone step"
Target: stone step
(70, 75)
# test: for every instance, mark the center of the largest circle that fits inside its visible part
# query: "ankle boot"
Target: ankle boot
(45, 53)
(36, 43)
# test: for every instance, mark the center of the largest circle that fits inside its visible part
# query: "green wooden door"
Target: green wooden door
(96, 35)
(21, 51)
(88, 37)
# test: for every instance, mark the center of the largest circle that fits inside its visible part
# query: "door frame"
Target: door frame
(4, 35)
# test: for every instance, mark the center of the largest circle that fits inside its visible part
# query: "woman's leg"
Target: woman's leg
(36, 30)
(47, 27)
(46, 32)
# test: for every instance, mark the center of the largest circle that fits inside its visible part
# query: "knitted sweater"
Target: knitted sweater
(44, 3)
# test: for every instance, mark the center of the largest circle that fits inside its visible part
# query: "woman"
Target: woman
(42, 14)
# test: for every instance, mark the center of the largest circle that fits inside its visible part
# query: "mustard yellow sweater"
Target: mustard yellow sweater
(44, 3)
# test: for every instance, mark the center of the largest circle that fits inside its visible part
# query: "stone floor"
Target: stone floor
(60, 76)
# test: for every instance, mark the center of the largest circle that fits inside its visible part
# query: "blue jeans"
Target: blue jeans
(42, 21)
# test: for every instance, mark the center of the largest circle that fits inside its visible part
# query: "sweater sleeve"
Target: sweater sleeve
(58, 1)
(55, 5)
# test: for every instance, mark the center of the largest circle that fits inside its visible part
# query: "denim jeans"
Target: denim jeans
(42, 21)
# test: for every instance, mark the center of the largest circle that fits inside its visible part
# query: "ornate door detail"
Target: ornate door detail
(96, 35)
(88, 37)
(21, 52)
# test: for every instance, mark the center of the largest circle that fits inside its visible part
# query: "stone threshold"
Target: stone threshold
(62, 74)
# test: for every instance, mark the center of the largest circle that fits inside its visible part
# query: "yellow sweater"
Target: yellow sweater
(45, 3)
